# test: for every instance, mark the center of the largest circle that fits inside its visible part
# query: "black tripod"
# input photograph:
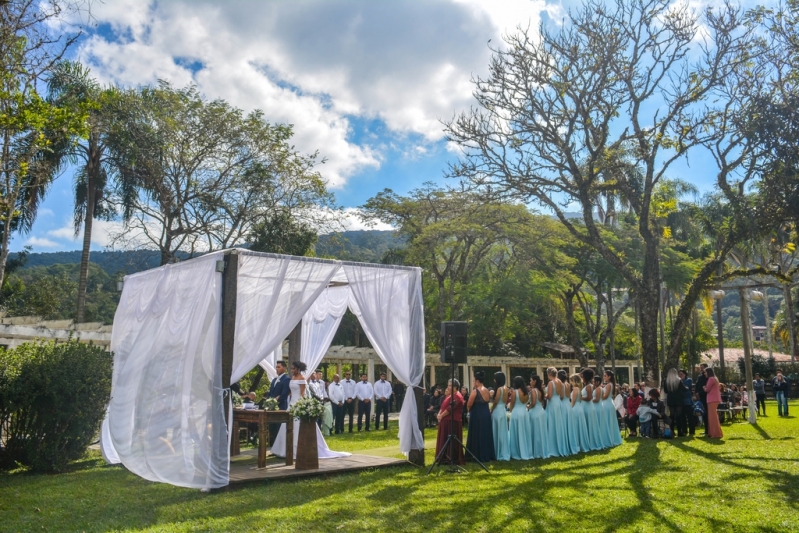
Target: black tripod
(452, 440)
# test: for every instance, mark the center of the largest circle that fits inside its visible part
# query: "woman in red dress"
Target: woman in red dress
(451, 410)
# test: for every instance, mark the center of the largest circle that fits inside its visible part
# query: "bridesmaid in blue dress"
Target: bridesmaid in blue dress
(604, 430)
(538, 418)
(591, 419)
(480, 440)
(609, 408)
(566, 411)
(555, 427)
(578, 434)
(520, 434)
(499, 418)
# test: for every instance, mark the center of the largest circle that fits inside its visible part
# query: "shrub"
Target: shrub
(52, 402)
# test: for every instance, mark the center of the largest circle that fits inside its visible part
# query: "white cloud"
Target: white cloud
(320, 66)
(45, 212)
(102, 232)
(353, 222)
(41, 242)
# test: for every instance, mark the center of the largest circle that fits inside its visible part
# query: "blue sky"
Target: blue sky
(365, 83)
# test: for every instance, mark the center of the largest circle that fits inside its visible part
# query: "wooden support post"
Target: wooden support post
(417, 456)
(340, 369)
(230, 279)
(370, 370)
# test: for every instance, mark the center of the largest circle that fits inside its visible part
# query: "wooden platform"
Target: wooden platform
(244, 467)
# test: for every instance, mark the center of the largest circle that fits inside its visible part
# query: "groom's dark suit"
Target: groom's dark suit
(279, 389)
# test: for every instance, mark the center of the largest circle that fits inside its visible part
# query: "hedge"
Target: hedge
(52, 401)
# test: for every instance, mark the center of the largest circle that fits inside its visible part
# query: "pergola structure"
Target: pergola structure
(184, 332)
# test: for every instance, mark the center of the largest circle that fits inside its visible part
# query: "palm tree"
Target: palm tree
(70, 85)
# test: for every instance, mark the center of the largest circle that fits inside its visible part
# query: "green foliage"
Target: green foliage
(52, 401)
(281, 233)
(765, 366)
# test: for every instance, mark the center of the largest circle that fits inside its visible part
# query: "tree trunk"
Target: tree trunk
(788, 319)
(649, 297)
(571, 325)
(766, 314)
(91, 196)
(746, 329)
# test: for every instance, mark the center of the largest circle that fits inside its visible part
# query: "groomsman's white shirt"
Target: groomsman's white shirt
(349, 388)
(335, 391)
(364, 391)
(318, 388)
(382, 389)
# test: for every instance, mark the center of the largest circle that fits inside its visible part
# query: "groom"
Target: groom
(279, 389)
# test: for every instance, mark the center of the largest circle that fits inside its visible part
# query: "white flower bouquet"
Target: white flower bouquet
(307, 409)
(235, 398)
(270, 404)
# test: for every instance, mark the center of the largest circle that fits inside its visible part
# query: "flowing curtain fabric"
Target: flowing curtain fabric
(274, 292)
(165, 420)
(268, 362)
(319, 325)
(388, 303)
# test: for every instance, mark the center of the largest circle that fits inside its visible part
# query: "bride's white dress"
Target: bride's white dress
(279, 448)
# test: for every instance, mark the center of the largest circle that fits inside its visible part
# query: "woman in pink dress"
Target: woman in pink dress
(713, 400)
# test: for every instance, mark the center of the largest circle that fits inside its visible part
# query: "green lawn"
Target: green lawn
(749, 481)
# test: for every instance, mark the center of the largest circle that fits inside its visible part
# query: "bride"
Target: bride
(297, 386)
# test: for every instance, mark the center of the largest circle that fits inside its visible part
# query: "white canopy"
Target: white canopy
(166, 420)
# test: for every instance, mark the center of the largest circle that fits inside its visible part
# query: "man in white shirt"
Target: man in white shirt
(349, 396)
(383, 393)
(317, 388)
(335, 392)
(364, 394)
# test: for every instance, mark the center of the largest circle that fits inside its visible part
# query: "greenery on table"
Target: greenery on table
(749, 481)
(307, 409)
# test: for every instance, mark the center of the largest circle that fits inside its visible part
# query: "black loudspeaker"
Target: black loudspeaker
(453, 342)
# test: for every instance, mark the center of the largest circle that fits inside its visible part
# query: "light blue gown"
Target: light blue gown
(499, 423)
(591, 420)
(612, 424)
(579, 429)
(520, 434)
(538, 424)
(572, 443)
(556, 430)
(602, 418)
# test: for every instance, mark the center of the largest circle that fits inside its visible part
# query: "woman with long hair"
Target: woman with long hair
(480, 439)
(713, 400)
(602, 421)
(675, 400)
(578, 433)
(538, 418)
(519, 434)
(556, 432)
(451, 417)
(609, 408)
(566, 413)
(499, 418)
(590, 410)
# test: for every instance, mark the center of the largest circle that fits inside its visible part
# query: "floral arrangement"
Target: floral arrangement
(307, 409)
(235, 398)
(270, 404)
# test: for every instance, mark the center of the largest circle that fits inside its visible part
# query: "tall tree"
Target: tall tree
(29, 126)
(70, 85)
(560, 107)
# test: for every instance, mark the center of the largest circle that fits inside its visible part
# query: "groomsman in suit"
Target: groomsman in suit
(364, 393)
(349, 396)
(279, 389)
(382, 397)
(335, 392)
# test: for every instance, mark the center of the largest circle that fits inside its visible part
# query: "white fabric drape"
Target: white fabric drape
(165, 420)
(268, 362)
(388, 303)
(274, 292)
(319, 325)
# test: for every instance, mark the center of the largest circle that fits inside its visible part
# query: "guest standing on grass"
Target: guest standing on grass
(349, 397)
(364, 392)
(538, 418)
(451, 416)
(759, 386)
(675, 400)
(633, 403)
(781, 389)
(713, 400)
(688, 403)
(499, 418)
(383, 393)
(335, 393)
(480, 439)
(519, 433)
(701, 381)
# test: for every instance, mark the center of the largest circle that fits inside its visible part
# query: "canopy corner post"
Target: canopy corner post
(230, 278)
(417, 456)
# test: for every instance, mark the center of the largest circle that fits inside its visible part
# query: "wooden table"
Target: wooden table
(262, 418)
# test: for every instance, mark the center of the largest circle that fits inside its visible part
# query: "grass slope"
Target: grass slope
(747, 482)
